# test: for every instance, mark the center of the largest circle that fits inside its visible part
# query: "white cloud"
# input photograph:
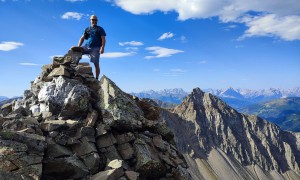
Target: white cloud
(117, 54)
(131, 43)
(156, 70)
(287, 28)
(9, 45)
(29, 64)
(166, 36)
(72, 15)
(285, 11)
(160, 52)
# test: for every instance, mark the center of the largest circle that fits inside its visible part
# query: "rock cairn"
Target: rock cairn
(71, 126)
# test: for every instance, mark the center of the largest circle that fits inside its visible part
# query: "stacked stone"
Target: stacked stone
(71, 126)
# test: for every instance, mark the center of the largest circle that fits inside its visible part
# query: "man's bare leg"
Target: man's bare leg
(97, 70)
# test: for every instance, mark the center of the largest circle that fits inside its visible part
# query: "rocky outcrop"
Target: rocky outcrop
(72, 126)
(220, 143)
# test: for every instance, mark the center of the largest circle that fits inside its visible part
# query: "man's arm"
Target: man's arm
(103, 44)
(81, 40)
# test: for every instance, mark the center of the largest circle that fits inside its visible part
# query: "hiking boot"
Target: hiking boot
(77, 49)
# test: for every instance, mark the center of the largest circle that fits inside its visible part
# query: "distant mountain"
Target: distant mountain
(2, 98)
(254, 96)
(235, 97)
(9, 100)
(284, 112)
(173, 96)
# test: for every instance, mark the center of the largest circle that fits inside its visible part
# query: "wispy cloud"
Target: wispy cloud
(117, 54)
(72, 15)
(178, 70)
(9, 45)
(175, 72)
(230, 27)
(268, 18)
(156, 70)
(160, 52)
(183, 39)
(131, 43)
(30, 64)
(165, 36)
(132, 48)
(202, 62)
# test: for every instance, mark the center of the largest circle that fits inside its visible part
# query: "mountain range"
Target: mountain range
(174, 96)
(235, 97)
(284, 112)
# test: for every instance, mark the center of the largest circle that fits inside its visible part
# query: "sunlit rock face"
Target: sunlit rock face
(218, 142)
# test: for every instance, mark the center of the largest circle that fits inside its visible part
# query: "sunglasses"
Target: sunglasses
(94, 19)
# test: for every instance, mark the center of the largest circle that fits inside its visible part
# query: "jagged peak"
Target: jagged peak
(200, 98)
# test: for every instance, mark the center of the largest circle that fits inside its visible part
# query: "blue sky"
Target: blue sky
(158, 44)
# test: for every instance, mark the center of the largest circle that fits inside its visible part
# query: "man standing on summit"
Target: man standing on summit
(95, 36)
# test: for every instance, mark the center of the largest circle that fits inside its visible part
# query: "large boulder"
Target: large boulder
(64, 95)
(126, 115)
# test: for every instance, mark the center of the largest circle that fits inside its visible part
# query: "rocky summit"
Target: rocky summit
(71, 126)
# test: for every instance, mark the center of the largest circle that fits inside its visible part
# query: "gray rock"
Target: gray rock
(33, 141)
(125, 137)
(77, 102)
(111, 174)
(94, 162)
(65, 168)
(126, 114)
(148, 163)
(84, 68)
(111, 153)
(35, 109)
(59, 71)
(54, 95)
(6, 109)
(52, 125)
(131, 175)
(55, 150)
(91, 118)
(102, 129)
(84, 147)
(126, 151)
(106, 140)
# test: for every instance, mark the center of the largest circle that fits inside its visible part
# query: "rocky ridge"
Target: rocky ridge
(71, 126)
(220, 143)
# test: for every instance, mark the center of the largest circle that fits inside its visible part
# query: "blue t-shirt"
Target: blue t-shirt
(93, 36)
